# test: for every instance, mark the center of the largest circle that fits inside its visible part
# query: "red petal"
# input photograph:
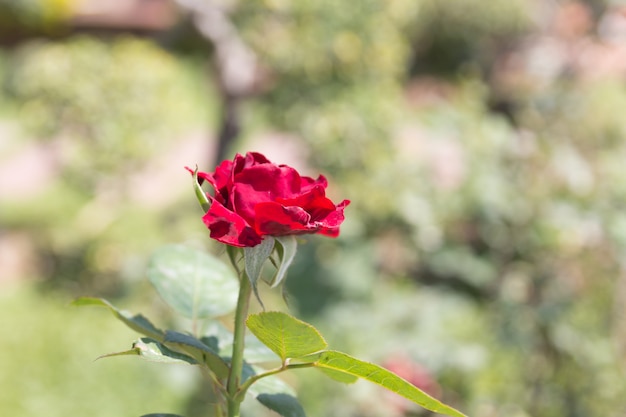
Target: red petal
(228, 227)
(314, 202)
(253, 158)
(277, 220)
(262, 183)
(223, 174)
(222, 181)
(278, 181)
(308, 183)
(329, 226)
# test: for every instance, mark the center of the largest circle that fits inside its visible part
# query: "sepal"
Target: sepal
(200, 194)
(286, 247)
(254, 259)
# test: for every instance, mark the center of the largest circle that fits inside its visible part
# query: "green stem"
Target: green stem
(236, 364)
(283, 368)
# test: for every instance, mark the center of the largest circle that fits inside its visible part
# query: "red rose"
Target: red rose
(255, 198)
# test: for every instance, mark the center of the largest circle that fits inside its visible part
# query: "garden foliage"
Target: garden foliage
(481, 151)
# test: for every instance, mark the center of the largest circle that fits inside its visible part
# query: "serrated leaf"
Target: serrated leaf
(341, 362)
(198, 350)
(153, 351)
(286, 249)
(137, 322)
(285, 335)
(283, 404)
(194, 283)
(254, 259)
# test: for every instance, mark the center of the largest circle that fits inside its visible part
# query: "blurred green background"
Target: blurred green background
(483, 146)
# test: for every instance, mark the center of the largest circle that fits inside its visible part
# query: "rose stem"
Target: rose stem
(236, 364)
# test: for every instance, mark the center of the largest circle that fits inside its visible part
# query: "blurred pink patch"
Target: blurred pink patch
(37, 169)
(403, 366)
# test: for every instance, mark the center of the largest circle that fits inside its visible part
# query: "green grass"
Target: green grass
(47, 362)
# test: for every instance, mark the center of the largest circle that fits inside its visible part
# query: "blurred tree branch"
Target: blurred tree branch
(235, 64)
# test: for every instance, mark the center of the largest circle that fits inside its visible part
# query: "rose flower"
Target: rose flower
(255, 198)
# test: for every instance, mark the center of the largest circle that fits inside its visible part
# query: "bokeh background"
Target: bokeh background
(483, 146)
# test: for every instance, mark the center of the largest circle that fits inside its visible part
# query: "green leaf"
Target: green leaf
(194, 283)
(198, 350)
(153, 351)
(339, 376)
(156, 352)
(283, 404)
(138, 322)
(286, 249)
(341, 362)
(254, 259)
(285, 335)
